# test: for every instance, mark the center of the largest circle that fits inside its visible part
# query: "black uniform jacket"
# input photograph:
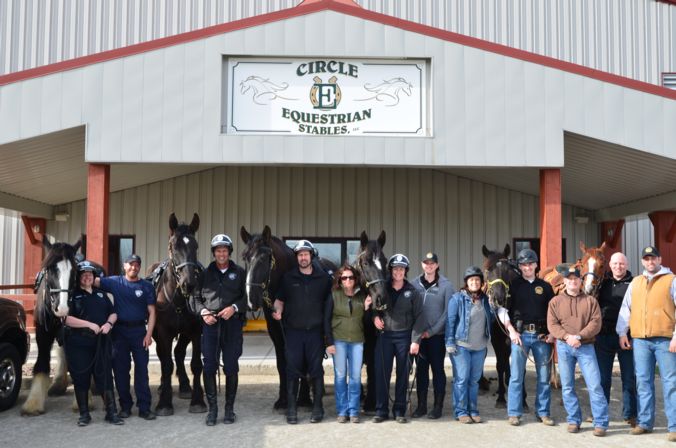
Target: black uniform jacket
(306, 298)
(220, 290)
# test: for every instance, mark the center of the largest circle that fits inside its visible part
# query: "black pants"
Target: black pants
(226, 336)
(432, 354)
(304, 353)
(87, 358)
(391, 345)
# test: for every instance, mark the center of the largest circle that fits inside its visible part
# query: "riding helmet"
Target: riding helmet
(473, 271)
(527, 256)
(87, 266)
(398, 260)
(221, 239)
(305, 245)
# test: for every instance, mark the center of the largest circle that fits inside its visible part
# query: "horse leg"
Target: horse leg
(197, 404)
(369, 359)
(35, 402)
(502, 351)
(277, 337)
(164, 405)
(184, 389)
(60, 382)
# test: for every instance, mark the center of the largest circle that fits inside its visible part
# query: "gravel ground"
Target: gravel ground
(258, 425)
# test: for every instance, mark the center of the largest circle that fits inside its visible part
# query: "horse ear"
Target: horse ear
(173, 223)
(363, 239)
(507, 250)
(381, 239)
(583, 248)
(267, 234)
(195, 223)
(45, 242)
(77, 245)
(603, 246)
(485, 251)
(245, 235)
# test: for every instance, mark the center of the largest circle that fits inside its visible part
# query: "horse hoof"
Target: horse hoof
(56, 391)
(185, 394)
(500, 405)
(164, 412)
(197, 408)
(31, 412)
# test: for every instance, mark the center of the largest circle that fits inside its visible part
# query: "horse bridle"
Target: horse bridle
(264, 285)
(367, 283)
(176, 270)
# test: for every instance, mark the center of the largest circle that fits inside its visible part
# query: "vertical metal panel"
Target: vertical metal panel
(637, 233)
(11, 249)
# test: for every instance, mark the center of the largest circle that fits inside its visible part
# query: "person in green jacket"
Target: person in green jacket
(344, 329)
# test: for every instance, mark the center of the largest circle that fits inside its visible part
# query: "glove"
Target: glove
(451, 349)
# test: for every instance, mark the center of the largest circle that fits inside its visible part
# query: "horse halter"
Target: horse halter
(176, 268)
(264, 285)
(498, 281)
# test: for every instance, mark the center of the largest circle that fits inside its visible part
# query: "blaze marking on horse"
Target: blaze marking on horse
(589, 279)
(64, 268)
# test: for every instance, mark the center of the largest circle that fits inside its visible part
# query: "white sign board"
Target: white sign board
(327, 97)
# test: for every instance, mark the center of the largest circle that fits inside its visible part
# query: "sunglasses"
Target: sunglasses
(347, 277)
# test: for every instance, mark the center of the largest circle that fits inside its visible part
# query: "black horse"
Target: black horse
(500, 270)
(58, 274)
(267, 258)
(177, 281)
(371, 264)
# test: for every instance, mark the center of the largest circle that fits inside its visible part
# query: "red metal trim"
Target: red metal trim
(348, 9)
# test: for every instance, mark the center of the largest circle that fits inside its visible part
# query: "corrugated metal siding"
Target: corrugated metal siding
(630, 38)
(637, 233)
(11, 249)
(420, 210)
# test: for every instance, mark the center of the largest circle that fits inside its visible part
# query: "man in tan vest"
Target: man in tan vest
(649, 314)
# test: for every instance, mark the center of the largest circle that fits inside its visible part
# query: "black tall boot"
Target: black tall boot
(422, 404)
(111, 409)
(438, 406)
(291, 406)
(230, 393)
(83, 406)
(210, 392)
(317, 393)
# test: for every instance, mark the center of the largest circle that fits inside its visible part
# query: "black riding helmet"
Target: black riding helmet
(87, 266)
(221, 239)
(305, 245)
(398, 260)
(527, 256)
(473, 271)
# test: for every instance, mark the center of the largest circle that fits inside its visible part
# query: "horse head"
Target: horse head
(499, 271)
(371, 264)
(592, 268)
(59, 269)
(183, 246)
(259, 260)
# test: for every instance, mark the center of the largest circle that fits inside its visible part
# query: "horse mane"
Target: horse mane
(57, 252)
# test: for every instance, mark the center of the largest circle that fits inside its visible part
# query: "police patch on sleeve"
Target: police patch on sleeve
(539, 290)
(138, 292)
(100, 294)
(232, 276)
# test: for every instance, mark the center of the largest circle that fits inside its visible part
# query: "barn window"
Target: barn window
(337, 250)
(520, 244)
(119, 247)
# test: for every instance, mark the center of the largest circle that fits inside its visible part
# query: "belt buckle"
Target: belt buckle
(530, 328)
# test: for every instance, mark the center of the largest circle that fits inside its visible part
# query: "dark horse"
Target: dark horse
(500, 270)
(267, 258)
(177, 281)
(371, 264)
(58, 281)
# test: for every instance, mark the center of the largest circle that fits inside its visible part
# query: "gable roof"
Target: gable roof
(351, 9)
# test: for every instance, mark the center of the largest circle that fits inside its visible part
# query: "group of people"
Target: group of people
(633, 318)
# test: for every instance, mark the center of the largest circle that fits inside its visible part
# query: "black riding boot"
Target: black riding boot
(317, 393)
(210, 392)
(230, 392)
(291, 406)
(438, 407)
(422, 404)
(83, 407)
(111, 409)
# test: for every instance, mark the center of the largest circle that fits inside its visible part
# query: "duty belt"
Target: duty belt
(530, 328)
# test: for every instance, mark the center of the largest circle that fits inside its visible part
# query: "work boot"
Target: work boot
(230, 392)
(291, 406)
(111, 409)
(317, 393)
(422, 404)
(438, 407)
(210, 392)
(81, 396)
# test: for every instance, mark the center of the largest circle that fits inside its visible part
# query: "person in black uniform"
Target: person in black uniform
(221, 303)
(87, 343)
(528, 332)
(399, 334)
(607, 344)
(302, 301)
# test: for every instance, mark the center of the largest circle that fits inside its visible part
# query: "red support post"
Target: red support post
(550, 217)
(664, 223)
(611, 234)
(98, 194)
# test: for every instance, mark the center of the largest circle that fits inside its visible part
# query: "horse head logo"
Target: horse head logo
(263, 91)
(388, 91)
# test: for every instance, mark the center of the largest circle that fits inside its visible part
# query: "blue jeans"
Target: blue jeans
(585, 356)
(467, 368)
(348, 355)
(607, 346)
(542, 353)
(646, 353)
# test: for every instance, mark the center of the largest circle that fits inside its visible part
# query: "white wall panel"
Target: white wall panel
(420, 210)
(637, 233)
(11, 250)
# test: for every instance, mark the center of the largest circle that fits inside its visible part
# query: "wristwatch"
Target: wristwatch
(234, 307)
(578, 337)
